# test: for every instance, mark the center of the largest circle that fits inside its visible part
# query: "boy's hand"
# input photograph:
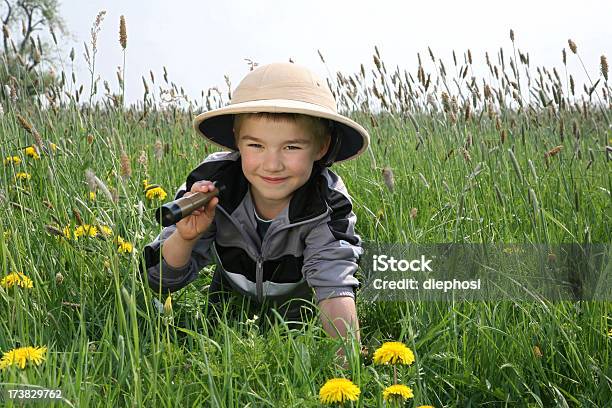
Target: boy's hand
(194, 225)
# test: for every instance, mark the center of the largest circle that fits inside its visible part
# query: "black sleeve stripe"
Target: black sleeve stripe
(341, 211)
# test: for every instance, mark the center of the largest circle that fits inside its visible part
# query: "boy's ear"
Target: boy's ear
(324, 148)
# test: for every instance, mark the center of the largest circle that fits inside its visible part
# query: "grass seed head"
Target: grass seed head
(126, 168)
(388, 178)
(604, 67)
(552, 152)
(413, 213)
(122, 32)
(159, 150)
(572, 46)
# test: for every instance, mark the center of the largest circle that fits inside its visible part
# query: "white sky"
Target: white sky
(200, 41)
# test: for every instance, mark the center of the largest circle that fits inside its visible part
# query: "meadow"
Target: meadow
(516, 155)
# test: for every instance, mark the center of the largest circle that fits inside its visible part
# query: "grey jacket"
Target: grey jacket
(310, 244)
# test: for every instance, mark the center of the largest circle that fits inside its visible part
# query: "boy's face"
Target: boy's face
(277, 159)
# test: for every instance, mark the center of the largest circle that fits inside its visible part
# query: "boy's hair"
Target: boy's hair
(318, 127)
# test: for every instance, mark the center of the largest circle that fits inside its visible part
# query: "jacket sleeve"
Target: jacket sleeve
(332, 250)
(159, 273)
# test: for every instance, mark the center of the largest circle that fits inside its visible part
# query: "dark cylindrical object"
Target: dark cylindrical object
(174, 211)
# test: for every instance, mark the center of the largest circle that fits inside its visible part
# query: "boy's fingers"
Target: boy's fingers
(203, 186)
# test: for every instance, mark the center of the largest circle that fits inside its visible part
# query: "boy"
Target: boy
(284, 223)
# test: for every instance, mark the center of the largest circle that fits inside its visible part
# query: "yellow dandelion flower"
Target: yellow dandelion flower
(156, 193)
(25, 282)
(12, 160)
(397, 391)
(338, 390)
(31, 152)
(119, 240)
(85, 230)
(22, 176)
(425, 406)
(67, 232)
(53, 146)
(106, 230)
(145, 183)
(16, 278)
(21, 355)
(610, 333)
(92, 195)
(9, 280)
(393, 352)
(125, 247)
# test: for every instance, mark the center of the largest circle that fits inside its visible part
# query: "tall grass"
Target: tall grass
(471, 162)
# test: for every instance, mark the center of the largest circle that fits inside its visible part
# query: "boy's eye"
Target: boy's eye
(293, 147)
(255, 145)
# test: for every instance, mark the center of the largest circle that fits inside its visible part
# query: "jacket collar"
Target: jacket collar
(307, 201)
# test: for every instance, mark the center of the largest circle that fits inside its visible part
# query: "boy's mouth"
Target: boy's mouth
(274, 180)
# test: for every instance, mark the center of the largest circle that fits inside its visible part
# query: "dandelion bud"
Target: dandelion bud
(388, 178)
(537, 352)
(168, 305)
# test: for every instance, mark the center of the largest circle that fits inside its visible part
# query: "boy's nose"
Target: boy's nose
(272, 162)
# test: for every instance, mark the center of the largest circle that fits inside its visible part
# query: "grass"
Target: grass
(110, 346)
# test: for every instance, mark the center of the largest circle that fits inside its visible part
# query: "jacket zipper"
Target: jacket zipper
(259, 279)
(264, 245)
(260, 257)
